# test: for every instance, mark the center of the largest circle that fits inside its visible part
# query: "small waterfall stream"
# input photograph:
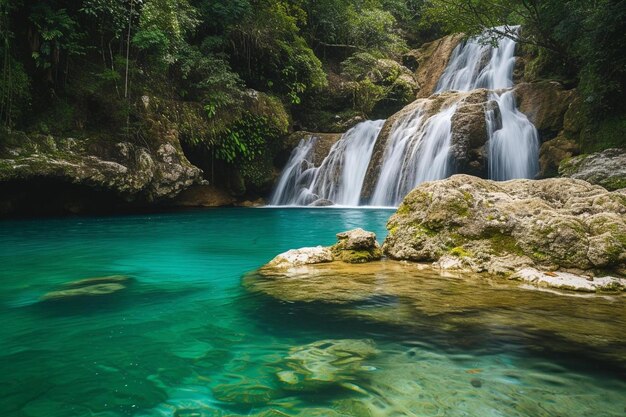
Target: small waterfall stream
(417, 147)
(338, 179)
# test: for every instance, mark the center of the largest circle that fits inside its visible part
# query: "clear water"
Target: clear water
(187, 328)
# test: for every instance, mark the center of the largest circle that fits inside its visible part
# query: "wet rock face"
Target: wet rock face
(606, 168)
(501, 227)
(430, 61)
(553, 152)
(545, 104)
(130, 171)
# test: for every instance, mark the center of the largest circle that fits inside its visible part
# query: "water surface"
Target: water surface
(187, 339)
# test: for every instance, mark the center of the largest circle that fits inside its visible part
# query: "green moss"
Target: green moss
(421, 231)
(460, 252)
(502, 243)
(403, 209)
(360, 256)
(614, 183)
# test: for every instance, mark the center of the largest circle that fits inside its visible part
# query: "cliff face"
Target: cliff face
(40, 174)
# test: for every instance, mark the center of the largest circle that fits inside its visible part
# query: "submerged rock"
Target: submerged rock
(89, 287)
(606, 168)
(326, 363)
(466, 222)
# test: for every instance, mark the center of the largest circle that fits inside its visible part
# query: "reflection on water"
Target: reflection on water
(186, 339)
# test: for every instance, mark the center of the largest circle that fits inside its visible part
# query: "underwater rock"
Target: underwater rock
(327, 363)
(606, 168)
(245, 392)
(89, 287)
(503, 227)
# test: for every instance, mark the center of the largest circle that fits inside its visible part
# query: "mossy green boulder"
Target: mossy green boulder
(466, 222)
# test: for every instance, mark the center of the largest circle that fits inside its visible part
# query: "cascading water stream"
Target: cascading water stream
(418, 145)
(338, 179)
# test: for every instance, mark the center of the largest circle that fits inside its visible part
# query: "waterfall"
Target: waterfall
(418, 144)
(417, 151)
(513, 143)
(338, 179)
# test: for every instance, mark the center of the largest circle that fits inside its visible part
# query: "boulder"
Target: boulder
(357, 246)
(606, 168)
(299, 257)
(469, 223)
(553, 152)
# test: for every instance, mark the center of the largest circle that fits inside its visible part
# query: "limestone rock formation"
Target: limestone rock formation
(430, 61)
(606, 168)
(553, 152)
(466, 222)
(299, 257)
(357, 246)
(545, 104)
(129, 171)
(354, 246)
(203, 196)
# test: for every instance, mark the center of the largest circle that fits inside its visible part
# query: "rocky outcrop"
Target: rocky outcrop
(323, 143)
(469, 223)
(354, 246)
(299, 257)
(553, 152)
(606, 168)
(430, 61)
(131, 172)
(203, 196)
(469, 133)
(545, 104)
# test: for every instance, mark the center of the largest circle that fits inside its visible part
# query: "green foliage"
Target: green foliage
(163, 26)
(56, 31)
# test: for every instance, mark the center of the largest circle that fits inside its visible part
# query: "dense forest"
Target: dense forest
(234, 77)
